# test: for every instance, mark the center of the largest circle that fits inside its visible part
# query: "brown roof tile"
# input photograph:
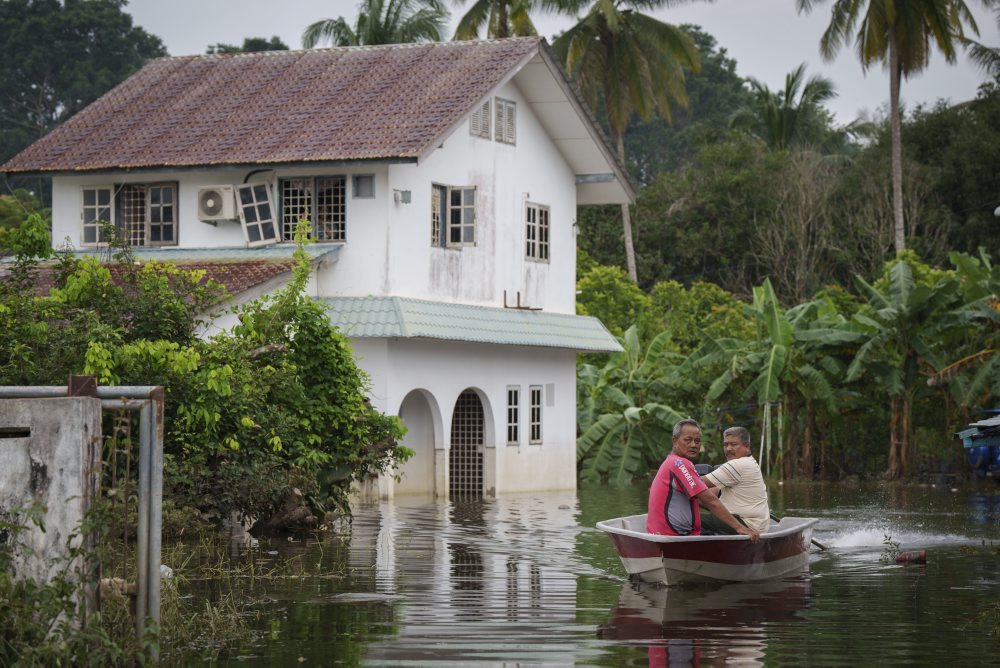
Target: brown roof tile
(235, 276)
(361, 103)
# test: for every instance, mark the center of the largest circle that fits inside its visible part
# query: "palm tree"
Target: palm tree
(502, 18)
(899, 35)
(382, 22)
(987, 57)
(783, 118)
(633, 64)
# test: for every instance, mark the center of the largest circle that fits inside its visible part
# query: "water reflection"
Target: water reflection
(474, 573)
(726, 622)
(528, 580)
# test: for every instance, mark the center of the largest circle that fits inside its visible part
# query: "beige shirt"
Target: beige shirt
(743, 491)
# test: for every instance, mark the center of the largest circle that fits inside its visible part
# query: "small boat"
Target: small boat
(670, 560)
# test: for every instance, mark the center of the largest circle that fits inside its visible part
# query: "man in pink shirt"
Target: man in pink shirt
(677, 490)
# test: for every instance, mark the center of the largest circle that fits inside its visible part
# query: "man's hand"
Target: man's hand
(747, 531)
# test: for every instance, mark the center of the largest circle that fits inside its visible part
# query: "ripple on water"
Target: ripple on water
(527, 580)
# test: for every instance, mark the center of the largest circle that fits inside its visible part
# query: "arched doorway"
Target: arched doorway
(465, 458)
(418, 412)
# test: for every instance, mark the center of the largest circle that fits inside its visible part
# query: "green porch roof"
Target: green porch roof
(403, 318)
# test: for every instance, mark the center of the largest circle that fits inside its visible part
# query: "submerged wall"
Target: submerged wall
(50, 456)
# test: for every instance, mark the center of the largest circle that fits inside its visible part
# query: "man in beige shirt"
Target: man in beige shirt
(740, 485)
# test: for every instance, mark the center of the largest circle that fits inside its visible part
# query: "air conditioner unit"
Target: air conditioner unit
(216, 203)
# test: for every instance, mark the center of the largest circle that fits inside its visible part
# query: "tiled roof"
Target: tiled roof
(358, 103)
(398, 317)
(237, 269)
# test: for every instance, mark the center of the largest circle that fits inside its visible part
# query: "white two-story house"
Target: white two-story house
(442, 182)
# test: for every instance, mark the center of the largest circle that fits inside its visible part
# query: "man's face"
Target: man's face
(688, 443)
(734, 448)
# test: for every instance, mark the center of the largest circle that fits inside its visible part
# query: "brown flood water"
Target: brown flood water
(527, 580)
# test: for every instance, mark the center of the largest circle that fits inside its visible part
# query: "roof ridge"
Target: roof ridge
(360, 47)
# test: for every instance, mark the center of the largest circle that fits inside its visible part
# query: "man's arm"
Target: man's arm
(717, 491)
(710, 501)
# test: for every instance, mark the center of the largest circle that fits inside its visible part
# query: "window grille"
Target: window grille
(479, 121)
(439, 195)
(256, 214)
(513, 414)
(132, 209)
(321, 200)
(535, 414)
(506, 121)
(536, 232)
(465, 458)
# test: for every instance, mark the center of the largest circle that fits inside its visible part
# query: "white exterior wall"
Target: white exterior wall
(388, 245)
(506, 177)
(363, 215)
(388, 251)
(441, 370)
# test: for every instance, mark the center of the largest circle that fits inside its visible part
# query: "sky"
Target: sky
(767, 38)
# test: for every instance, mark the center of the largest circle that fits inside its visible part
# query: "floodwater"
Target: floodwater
(527, 580)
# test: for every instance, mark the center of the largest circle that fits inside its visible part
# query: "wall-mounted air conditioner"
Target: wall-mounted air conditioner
(217, 203)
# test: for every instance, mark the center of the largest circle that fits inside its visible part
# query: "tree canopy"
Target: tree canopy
(58, 58)
(382, 22)
(250, 45)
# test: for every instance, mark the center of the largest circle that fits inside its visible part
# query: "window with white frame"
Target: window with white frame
(536, 232)
(535, 414)
(513, 415)
(96, 209)
(322, 200)
(453, 216)
(257, 214)
(144, 214)
(479, 121)
(506, 121)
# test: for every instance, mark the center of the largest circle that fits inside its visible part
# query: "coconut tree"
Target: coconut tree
(500, 18)
(987, 57)
(632, 64)
(782, 118)
(382, 22)
(899, 34)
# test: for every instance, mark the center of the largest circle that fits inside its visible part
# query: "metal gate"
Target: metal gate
(465, 459)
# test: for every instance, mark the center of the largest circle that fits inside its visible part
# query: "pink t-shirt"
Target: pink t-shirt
(673, 510)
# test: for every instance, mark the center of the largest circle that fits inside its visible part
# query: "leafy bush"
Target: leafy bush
(275, 403)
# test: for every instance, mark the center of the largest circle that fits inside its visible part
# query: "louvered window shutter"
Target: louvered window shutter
(505, 121)
(479, 122)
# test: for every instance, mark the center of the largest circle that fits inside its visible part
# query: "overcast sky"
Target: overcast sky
(767, 38)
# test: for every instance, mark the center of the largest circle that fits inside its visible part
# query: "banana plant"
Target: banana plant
(624, 426)
(908, 327)
(788, 361)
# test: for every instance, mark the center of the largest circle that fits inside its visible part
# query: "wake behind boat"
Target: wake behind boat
(781, 551)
